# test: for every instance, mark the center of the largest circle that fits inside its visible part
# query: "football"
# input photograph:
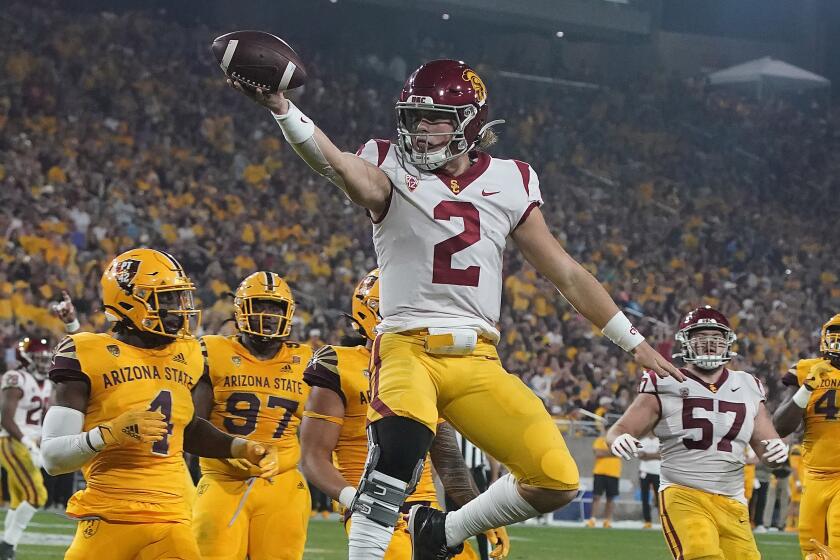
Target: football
(257, 59)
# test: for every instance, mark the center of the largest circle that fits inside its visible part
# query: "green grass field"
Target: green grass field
(49, 534)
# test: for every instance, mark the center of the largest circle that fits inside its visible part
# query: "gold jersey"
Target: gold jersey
(821, 444)
(135, 483)
(261, 400)
(344, 370)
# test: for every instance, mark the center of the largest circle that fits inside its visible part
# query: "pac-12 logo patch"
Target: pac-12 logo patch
(684, 392)
(410, 182)
(113, 349)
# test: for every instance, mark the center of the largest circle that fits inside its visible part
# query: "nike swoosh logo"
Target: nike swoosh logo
(735, 389)
(485, 193)
(303, 120)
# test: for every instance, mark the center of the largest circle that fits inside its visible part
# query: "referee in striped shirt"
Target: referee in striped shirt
(484, 471)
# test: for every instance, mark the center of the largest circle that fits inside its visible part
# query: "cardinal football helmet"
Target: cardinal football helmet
(448, 87)
(707, 351)
(830, 337)
(270, 320)
(150, 290)
(365, 310)
(35, 355)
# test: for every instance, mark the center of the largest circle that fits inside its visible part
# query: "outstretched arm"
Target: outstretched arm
(364, 183)
(584, 292)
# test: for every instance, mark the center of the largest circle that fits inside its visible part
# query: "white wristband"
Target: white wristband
(346, 496)
(297, 128)
(802, 396)
(72, 326)
(621, 331)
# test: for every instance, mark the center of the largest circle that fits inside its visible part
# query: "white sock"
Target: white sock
(498, 506)
(14, 531)
(368, 539)
(7, 523)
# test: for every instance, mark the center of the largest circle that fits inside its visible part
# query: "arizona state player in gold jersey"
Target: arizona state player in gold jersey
(123, 412)
(815, 402)
(255, 391)
(335, 420)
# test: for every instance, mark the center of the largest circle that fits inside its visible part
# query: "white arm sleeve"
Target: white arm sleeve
(64, 447)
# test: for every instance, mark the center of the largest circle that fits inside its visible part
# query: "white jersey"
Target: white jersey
(441, 239)
(705, 429)
(33, 403)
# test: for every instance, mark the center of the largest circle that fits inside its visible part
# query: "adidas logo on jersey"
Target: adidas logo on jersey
(179, 357)
(132, 430)
(286, 367)
(301, 486)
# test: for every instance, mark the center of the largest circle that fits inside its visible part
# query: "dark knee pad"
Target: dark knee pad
(402, 443)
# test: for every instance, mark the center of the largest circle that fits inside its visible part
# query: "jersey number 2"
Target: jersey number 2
(442, 271)
(707, 429)
(163, 402)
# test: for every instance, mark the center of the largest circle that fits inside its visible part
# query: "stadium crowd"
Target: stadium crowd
(672, 194)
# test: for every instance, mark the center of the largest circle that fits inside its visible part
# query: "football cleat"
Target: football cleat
(427, 527)
(591, 522)
(7, 551)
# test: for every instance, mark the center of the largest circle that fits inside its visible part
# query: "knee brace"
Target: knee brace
(380, 496)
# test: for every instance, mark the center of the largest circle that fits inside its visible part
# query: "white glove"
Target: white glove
(776, 451)
(626, 447)
(34, 451)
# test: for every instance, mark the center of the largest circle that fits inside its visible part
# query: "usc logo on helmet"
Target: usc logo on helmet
(476, 84)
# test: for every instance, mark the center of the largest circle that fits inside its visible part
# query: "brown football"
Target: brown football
(257, 59)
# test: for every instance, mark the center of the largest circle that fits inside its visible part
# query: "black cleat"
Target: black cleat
(7, 551)
(427, 527)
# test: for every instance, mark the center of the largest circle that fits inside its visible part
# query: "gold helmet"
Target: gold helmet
(150, 290)
(830, 337)
(365, 312)
(270, 321)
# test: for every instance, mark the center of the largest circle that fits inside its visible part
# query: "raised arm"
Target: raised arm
(364, 183)
(790, 413)
(585, 293)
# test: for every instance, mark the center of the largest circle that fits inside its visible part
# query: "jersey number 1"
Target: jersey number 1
(442, 271)
(163, 402)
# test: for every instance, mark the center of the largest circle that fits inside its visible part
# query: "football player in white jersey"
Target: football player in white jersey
(24, 393)
(704, 425)
(442, 211)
